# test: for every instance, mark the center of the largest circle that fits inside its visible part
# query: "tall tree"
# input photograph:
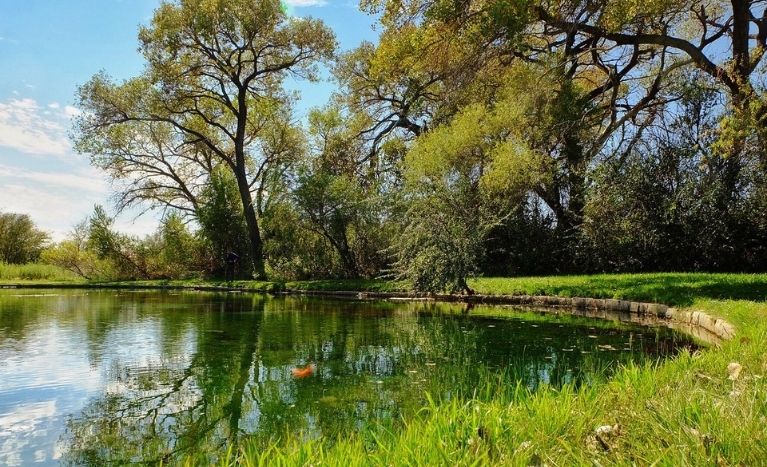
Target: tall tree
(211, 95)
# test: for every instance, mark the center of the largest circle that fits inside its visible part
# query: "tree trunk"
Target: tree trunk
(576, 182)
(254, 233)
(241, 173)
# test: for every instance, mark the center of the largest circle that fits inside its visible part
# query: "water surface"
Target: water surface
(95, 377)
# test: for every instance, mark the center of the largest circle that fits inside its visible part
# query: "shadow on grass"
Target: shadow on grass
(670, 288)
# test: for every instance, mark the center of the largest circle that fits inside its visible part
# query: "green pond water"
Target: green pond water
(97, 377)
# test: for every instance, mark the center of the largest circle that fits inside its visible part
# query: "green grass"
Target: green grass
(679, 289)
(34, 272)
(669, 288)
(684, 411)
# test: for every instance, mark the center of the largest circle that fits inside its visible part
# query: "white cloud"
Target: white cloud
(24, 418)
(25, 128)
(303, 3)
(65, 190)
(129, 224)
(56, 202)
(71, 111)
(87, 180)
(53, 210)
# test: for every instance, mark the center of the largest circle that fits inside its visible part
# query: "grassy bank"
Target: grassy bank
(679, 289)
(688, 411)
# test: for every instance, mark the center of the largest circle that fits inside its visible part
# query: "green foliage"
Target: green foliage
(74, 254)
(222, 223)
(526, 242)
(334, 207)
(464, 178)
(295, 251)
(180, 250)
(210, 98)
(20, 240)
(128, 256)
(95, 251)
(335, 223)
(680, 196)
(440, 246)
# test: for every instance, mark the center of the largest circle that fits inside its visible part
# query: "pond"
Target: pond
(93, 377)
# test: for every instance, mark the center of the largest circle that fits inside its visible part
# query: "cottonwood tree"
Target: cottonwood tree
(211, 95)
(726, 40)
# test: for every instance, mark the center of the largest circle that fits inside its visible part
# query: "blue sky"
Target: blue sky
(48, 48)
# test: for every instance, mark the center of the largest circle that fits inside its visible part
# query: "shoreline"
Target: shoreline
(696, 323)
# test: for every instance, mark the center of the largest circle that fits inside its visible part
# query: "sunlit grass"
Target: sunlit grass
(682, 411)
(34, 272)
(669, 288)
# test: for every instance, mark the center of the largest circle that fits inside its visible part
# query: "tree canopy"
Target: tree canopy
(211, 96)
(505, 137)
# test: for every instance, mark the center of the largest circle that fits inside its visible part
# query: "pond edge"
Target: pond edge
(690, 321)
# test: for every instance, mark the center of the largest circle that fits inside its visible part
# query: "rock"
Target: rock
(607, 430)
(524, 445)
(734, 369)
(603, 437)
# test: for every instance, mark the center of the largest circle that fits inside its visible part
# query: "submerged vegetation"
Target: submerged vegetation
(704, 407)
